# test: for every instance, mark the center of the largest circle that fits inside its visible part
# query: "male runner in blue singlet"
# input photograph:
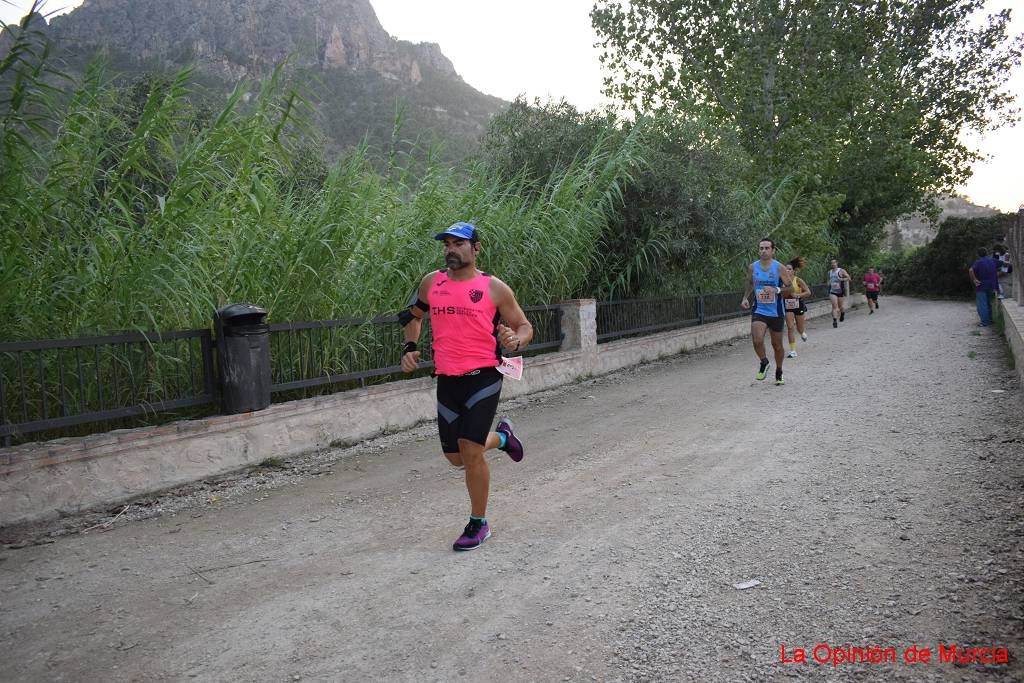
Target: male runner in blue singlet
(769, 284)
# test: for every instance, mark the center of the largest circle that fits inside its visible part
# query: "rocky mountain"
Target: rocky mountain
(362, 73)
(916, 229)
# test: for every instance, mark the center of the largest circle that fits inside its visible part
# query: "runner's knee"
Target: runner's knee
(470, 452)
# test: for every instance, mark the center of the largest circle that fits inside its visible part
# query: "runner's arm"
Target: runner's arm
(519, 331)
(749, 289)
(786, 291)
(412, 329)
(415, 326)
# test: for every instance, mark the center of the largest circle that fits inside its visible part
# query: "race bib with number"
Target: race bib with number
(792, 304)
(511, 367)
(766, 295)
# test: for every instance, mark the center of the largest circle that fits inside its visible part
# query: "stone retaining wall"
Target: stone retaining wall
(1013, 316)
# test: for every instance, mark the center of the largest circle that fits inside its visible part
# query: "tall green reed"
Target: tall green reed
(144, 217)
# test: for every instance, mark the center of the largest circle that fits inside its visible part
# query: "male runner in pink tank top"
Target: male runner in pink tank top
(466, 307)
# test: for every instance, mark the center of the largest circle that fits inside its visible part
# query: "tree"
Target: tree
(687, 214)
(534, 141)
(861, 98)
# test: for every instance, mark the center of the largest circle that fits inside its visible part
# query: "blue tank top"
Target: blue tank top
(769, 302)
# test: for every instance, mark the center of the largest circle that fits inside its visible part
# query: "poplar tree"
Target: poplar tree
(864, 100)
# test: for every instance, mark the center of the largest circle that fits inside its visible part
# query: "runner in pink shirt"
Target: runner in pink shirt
(872, 286)
(466, 307)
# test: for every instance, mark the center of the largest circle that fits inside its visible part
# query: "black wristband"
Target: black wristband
(409, 347)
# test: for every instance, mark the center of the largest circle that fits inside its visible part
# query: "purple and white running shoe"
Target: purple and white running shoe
(475, 533)
(513, 446)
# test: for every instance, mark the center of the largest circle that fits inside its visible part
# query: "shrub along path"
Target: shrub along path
(877, 498)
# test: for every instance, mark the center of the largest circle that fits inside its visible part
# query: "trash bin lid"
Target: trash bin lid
(241, 314)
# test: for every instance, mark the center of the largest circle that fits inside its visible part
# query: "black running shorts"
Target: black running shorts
(871, 295)
(466, 406)
(774, 323)
(799, 310)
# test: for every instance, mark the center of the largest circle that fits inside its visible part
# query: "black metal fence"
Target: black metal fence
(60, 383)
(52, 385)
(638, 317)
(343, 353)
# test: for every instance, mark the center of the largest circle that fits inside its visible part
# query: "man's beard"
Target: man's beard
(453, 262)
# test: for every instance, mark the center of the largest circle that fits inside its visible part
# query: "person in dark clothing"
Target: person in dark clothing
(984, 275)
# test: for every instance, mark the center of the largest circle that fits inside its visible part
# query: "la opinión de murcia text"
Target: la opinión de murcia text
(839, 655)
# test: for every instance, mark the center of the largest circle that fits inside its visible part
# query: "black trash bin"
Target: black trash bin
(243, 349)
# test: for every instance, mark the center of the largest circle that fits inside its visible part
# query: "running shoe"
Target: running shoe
(803, 335)
(842, 316)
(791, 354)
(778, 379)
(475, 533)
(513, 446)
(835, 323)
(763, 371)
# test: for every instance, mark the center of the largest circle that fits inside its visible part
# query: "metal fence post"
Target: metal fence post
(700, 309)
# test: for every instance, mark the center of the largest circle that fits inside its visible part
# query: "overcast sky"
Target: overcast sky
(544, 48)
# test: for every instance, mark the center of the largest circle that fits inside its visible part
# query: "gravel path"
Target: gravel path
(877, 498)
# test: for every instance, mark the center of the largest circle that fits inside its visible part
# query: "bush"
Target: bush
(940, 267)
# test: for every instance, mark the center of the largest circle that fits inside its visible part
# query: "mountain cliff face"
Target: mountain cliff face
(363, 71)
(916, 230)
(237, 38)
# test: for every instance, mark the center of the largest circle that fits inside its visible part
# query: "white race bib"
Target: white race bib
(766, 295)
(511, 367)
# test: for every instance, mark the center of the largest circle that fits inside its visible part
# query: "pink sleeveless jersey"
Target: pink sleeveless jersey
(463, 321)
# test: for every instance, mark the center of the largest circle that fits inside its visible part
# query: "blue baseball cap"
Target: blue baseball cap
(466, 231)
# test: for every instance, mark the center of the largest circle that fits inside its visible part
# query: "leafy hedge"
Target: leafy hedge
(940, 267)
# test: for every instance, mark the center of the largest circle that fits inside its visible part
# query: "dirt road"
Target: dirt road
(877, 498)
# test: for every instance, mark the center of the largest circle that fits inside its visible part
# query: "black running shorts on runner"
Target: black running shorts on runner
(466, 406)
(775, 324)
(871, 295)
